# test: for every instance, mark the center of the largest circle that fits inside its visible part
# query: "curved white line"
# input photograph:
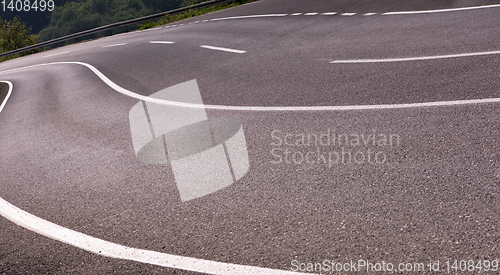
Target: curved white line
(418, 58)
(7, 96)
(113, 250)
(126, 92)
(441, 10)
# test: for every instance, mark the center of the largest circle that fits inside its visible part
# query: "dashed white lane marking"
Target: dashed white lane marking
(105, 248)
(442, 10)
(248, 16)
(55, 54)
(352, 13)
(333, 13)
(114, 45)
(161, 42)
(413, 58)
(222, 49)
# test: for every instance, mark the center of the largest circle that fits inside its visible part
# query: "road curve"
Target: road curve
(429, 192)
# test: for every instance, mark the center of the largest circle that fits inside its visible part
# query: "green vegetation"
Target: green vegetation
(78, 16)
(15, 35)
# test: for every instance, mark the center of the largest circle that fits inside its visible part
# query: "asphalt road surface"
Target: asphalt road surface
(369, 137)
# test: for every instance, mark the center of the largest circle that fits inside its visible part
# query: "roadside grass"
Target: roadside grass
(191, 13)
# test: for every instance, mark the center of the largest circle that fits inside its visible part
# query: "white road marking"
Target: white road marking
(222, 49)
(161, 42)
(297, 13)
(348, 14)
(147, 30)
(105, 248)
(55, 54)
(329, 13)
(113, 250)
(369, 13)
(249, 16)
(205, 21)
(7, 96)
(419, 58)
(126, 92)
(441, 10)
(114, 45)
(311, 13)
(197, 22)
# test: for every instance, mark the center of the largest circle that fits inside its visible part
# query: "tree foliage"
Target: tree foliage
(15, 35)
(80, 15)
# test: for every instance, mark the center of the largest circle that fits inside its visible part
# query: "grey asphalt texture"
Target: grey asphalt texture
(66, 152)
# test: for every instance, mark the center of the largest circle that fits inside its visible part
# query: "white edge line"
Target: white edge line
(113, 250)
(265, 108)
(441, 10)
(222, 49)
(419, 58)
(249, 16)
(8, 94)
(114, 45)
(55, 54)
(161, 42)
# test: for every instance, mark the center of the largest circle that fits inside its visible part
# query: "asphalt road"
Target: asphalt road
(67, 153)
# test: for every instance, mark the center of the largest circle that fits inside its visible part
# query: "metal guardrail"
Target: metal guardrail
(116, 25)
